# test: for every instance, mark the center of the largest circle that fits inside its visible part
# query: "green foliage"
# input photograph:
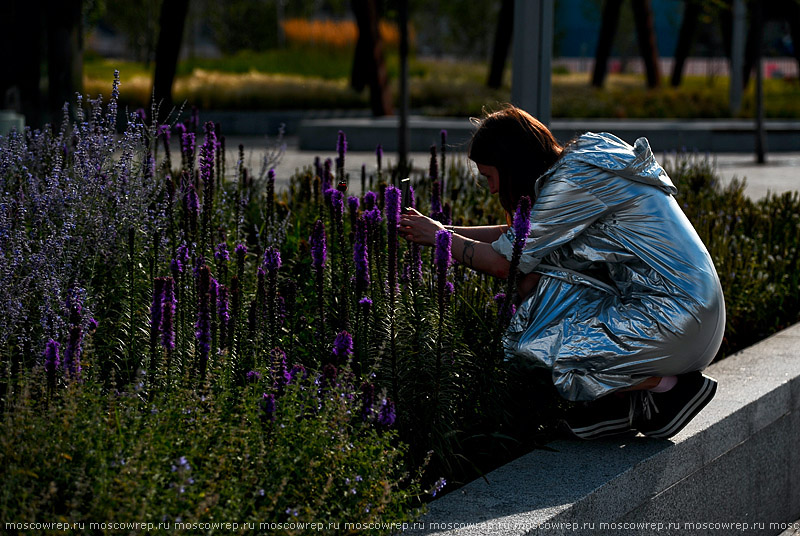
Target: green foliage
(754, 245)
(184, 455)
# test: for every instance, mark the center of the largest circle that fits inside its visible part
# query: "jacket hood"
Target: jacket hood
(608, 152)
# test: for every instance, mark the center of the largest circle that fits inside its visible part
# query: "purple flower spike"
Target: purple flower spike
(298, 372)
(393, 198)
(272, 259)
(221, 253)
(522, 222)
(366, 305)
(370, 200)
(268, 407)
(253, 376)
(158, 300)
(318, 245)
(52, 361)
(342, 345)
(361, 256)
(352, 204)
(379, 155)
(444, 242)
(386, 414)
(203, 324)
(168, 314)
(341, 149)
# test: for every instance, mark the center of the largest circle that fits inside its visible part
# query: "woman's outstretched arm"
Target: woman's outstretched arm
(469, 251)
(481, 233)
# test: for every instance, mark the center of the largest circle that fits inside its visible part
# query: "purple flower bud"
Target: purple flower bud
(268, 407)
(379, 155)
(168, 314)
(367, 400)
(342, 345)
(352, 204)
(522, 222)
(370, 200)
(52, 361)
(221, 253)
(318, 245)
(341, 149)
(361, 255)
(272, 259)
(366, 305)
(253, 376)
(386, 414)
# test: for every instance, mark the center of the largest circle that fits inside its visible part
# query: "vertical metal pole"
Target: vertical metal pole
(402, 131)
(758, 36)
(737, 55)
(533, 52)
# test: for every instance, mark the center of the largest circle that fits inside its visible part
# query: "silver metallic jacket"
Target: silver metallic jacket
(628, 291)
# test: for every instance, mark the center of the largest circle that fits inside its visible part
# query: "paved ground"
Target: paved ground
(780, 173)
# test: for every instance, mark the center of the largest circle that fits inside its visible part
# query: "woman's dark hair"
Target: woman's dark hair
(519, 146)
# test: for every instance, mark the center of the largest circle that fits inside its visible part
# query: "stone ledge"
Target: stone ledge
(719, 136)
(736, 462)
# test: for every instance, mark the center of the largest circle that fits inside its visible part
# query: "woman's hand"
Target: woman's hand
(418, 228)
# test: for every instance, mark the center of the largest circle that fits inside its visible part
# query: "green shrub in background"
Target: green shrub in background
(316, 78)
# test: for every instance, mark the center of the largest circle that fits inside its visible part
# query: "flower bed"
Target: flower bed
(181, 341)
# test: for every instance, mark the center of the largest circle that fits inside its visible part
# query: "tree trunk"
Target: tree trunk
(608, 28)
(170, 36)
(64, 55)
(691, 14)
(502, 41)
(21, 72)
(648, 48)
(368, 65)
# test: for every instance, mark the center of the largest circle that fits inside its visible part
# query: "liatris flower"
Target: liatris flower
(168, 314)
(393, 198)
(521, 227)
(187, 149)
(221, 253)
(318, 167)
(379, 156)
(223, 314)
(352, 209)
(444, 241)
(241, 252)
(386, 413)
(342, 346)
(191, 206)
(203, 324)
(155, 314)
(272, 259)
(318, 246)
(363, 177)
(52, 362)
(326, 174)
(268, 407)
(361, 256)
(522, 223)
(370, 200)
(72, 355)
(366, 305)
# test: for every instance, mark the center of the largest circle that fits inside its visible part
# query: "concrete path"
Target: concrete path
(780, 173)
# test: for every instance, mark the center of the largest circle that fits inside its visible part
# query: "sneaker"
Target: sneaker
(663, 415)
(607, 416)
